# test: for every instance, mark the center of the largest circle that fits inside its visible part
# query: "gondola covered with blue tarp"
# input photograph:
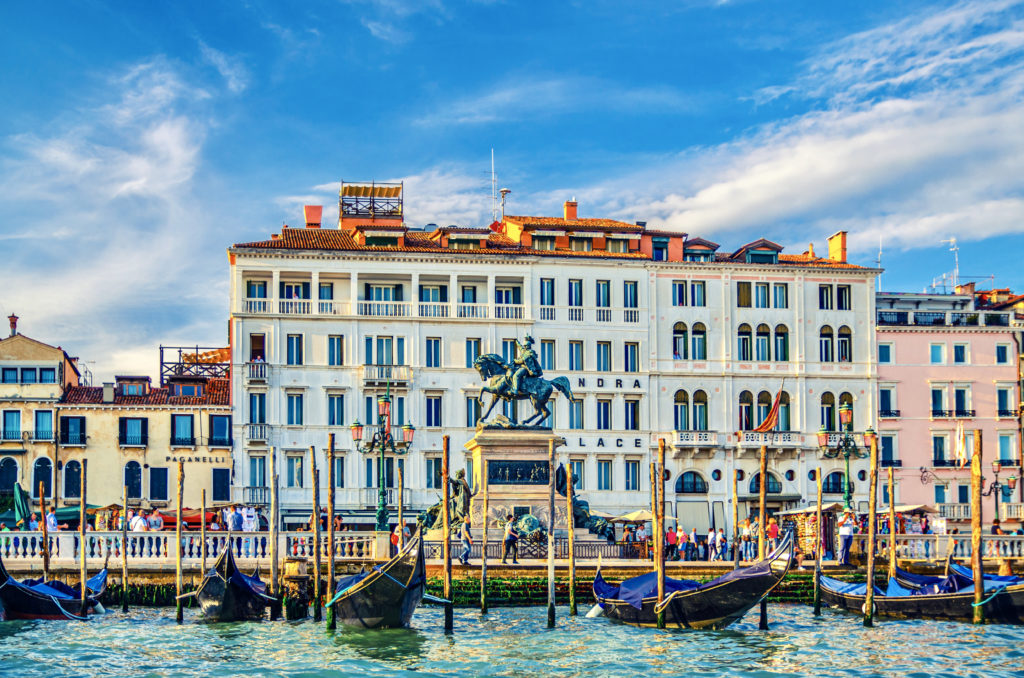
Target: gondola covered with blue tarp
(227, 594)
(690, 604)
(36, 599)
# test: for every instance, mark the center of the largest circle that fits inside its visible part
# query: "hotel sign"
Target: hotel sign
(201, 460)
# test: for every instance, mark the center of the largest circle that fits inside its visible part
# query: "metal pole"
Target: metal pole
(483, 548)
(979, 573)
(317, 600)
(446, 544)
(659, 531)
(819, 550)
(46, 532)
(571, 520)
(892, 525)
(869, 600)
(847, 494)
(331, 622)
(83, 549)
(551, 533)
(762, 517)
(179, 582)
(124, 553)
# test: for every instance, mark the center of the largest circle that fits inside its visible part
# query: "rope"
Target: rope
(65, 612)
(994, 594)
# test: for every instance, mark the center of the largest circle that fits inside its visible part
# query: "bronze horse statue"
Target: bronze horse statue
(497, 375)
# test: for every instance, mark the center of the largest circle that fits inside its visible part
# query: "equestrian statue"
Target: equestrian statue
(521, 380)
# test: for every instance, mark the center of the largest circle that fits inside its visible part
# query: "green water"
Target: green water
(507, 642)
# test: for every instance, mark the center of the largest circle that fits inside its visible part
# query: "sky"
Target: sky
(138, 141)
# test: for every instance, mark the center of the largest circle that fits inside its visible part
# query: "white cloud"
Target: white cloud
(234, 72)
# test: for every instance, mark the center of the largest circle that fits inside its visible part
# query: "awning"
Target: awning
(641, 516)
(909, 508)
(825, 508)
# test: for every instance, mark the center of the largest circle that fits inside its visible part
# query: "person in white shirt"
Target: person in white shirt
(846, 526)
(138, 522)
(712, 544)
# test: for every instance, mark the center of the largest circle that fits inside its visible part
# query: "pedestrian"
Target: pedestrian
(692, 545)
(33, 523)
(684, 542)
(510, 541)
(772, 534)
(846, 528)
(723, 544)
(338, 522)
(745, 543)
(138, 522)
(236, 520)
(712, 539)
(670, 543)
(467, 541)
(156, 521)
(51, 521)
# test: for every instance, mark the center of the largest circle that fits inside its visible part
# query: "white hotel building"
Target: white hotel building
(659, 334)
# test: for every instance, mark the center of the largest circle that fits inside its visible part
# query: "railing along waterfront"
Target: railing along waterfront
(158, 547)
(936, 547)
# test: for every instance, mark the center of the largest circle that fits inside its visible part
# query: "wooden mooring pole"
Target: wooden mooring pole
(124, 552)
(275, 523)
(83, 547)
(571, 522)
(892, 525)
(317, 594)
(331, 481)
(736, 543)
(979, 573)
(178, 579)
(202, 530)
(401, 502)
(819, 550)
(659, 530)
(446, 543)
(869, 599)
(483, 539)
(551, 533)
(762, 517)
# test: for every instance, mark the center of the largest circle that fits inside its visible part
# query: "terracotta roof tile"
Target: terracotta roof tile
(580, 224)
(217, 392)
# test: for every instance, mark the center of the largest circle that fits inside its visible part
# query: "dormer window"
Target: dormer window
(581, 244)
(543, 242)
(697, 256)
(131, 389)
(464, 244)
(381, 241)
(762, 257)
(659, 249)
(188, 390)
(618, 245)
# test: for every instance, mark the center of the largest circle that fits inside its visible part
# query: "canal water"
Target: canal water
(508, 642)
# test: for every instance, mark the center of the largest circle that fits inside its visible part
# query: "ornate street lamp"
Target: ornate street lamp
(382, 441)
(846, 447)
(996, 487)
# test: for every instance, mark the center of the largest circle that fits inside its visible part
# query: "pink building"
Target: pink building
(943, 363)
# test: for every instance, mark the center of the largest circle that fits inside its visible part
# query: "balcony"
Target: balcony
(695, 438)
(257, 432)
(1008, 414)
(294, 306)
(382, 374)
(72, 439)
(944, 463)
(128, 440)
(773, 438)
(964, 319)
(434, 309)
(385, 309)
(604, 315)
(1010, 463)
(371, 496)
(893, 318)
(256, 372)
(256, 305)
(888, 414)
(997, 319)
(941, 414)
(576, 314)
(631, 315)
(472, 311)
(929, 318)
(220, 441)
(940, 318)
(955, 511)
(42, 436)
(1012, 511)
(183, 441)
(11, 434)
(331, 307)
(966, 414)
(509, 311)
(548, 313)
(258, 496)
(890, 463)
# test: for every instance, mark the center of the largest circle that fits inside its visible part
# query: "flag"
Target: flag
(772, 418)
(960, 446)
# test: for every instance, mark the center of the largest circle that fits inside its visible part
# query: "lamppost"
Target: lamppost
(383, 441)
(846, 447)
(997, 487)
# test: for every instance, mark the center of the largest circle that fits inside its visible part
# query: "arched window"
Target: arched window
(847, 399)
(42, 472)
(833, 483)
(700, 411)
(774, 486)
(133, 479)
(844, 354)
(682, 411)
(764, 406)
(8, 475)
(746, 411)
(828, 411)
(72, 480)
(763, 344)
(825, 345)
(699, 342)
(691, 482)
(680, 342)
(784, 422)
(743, 346)
(781, 343)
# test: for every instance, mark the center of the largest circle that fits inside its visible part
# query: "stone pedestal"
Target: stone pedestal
(516, 464)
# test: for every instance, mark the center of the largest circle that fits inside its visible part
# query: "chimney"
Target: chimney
(810, 250)
(108, 392)
(570, 210)
(837, 247)
(14, 324)
(313, 213)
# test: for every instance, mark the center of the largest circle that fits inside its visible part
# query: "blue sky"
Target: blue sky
(138, 141)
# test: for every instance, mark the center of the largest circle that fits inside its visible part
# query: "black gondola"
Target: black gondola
(692, 605)
(227, 594)
(386, 596)
(36, 599)
(910, 596)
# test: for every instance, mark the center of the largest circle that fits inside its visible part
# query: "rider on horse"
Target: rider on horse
(527, 363)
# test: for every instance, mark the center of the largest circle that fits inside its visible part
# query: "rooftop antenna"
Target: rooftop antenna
(494, 191)
(955, 249)
(504, 192)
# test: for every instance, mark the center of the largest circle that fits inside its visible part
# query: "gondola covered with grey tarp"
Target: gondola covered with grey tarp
(227, 594)
(36, 599)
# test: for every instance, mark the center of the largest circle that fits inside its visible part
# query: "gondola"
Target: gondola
(690, 604)
(387, 595)
(227, 594)
(969, 574)
(910, 596)
(36, 599)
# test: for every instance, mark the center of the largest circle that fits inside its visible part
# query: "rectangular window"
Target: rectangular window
(257, 408)
(844, 299)
(616, 245)
(47, 375)
(256, 289)
(632, 357)
(604, 415)
(575, 292)
(603, 294)
(295, 409)
(630, 297)
(335, 350)
(960, 354)
(762, 343)
(339, 471)
(433, 356)
(632, 415)
(294, 290)
(940, 494)
(743, 347)
(257, 471)
(543, 242)
(575, 356)
(699, 342)
(697, 293)
(885, 353)
(679, 293)
(433, 411)
(294, 349)
(220, 430)
(182, 432)
(577, 465)
(1006, 447)
(887, 447)
(936, 353)
(938, 401)
(1002, 354)
(632, 475)
(29, 375)
(825, 297)
(604, 474)
(659, 252)
(581, 244)
(743, 295)
(508, 350)
(938, 450)
(1003, 403)
(72, 430)
(576, 415)
(547, 291)
(157, 483)
(44, 425)
(961, 400)
(761, 295)
(336, 410)
(472, 351)
(294, 468)
(885, 400)
(547, 354)
(472, 412)
(433, 473)
(10, 375)
(326, 292)
(12, 425)
(468, 294)
(780, 295)
(604, 356)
